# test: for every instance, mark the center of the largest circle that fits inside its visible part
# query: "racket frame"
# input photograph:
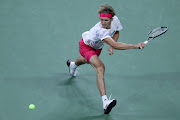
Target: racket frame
(151, 38)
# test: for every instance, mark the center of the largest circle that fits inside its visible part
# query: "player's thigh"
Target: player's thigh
(96, 62)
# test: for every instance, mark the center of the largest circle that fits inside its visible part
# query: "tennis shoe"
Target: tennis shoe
(73, 71)
(109, 105)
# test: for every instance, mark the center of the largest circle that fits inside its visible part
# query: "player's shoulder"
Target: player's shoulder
(115, 18)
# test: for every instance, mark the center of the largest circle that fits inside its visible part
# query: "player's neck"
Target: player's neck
(109, 27)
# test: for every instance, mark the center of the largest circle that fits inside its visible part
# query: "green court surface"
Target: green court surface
(38, 36)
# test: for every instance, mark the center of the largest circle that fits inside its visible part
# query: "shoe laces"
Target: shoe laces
(110, 97)
(108, 102)
(76, 71)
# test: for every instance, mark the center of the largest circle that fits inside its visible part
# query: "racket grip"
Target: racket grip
(145, 42)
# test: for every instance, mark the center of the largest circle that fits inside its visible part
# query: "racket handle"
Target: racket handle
(145, 42)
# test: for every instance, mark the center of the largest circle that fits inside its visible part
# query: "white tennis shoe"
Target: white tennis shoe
(73, 71)
(109, 105)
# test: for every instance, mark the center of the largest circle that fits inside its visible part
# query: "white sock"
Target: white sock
(74, 65)
(105, 100)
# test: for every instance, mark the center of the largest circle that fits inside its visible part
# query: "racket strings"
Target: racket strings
(158, 31)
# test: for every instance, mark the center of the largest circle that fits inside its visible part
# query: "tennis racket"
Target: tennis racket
(155, 33)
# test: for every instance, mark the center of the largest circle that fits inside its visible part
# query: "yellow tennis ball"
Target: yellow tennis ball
(153, 36)
(31, 106)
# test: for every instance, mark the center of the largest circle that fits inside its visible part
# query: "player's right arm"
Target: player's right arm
(122, 46)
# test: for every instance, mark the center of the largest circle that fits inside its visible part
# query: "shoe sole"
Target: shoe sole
(68, 64)
(110, 106)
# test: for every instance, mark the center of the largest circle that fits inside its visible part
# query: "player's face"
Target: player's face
(106, 22)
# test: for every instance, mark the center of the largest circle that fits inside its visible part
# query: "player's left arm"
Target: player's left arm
(115, 38)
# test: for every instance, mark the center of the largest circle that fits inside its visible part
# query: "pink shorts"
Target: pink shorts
(86, 51)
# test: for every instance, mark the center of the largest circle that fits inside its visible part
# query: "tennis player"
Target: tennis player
(91, 44)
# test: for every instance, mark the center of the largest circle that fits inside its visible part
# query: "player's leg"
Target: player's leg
(100, 68)
(83, 50)
(73, 65)
(81, 60)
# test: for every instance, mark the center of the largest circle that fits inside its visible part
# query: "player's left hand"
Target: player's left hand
(110, 51)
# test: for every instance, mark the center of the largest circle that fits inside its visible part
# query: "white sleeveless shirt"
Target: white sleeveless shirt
(94, 37)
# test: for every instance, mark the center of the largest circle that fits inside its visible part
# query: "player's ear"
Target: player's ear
(111, 19)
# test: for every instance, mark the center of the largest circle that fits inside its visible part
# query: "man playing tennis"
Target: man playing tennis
(91, 44)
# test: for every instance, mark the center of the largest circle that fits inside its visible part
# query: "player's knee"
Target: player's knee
(101, 68)
(85, 61)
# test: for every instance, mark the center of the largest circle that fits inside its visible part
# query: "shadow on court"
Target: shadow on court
(60, 96)
(56, 116)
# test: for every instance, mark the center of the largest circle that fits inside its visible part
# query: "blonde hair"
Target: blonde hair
(104, 8)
